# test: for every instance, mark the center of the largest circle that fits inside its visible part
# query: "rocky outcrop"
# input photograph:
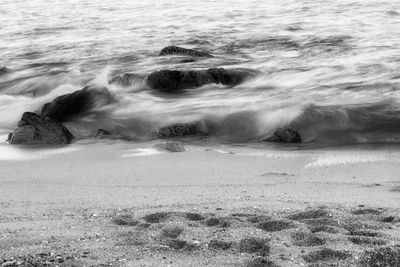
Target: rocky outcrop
(175, 80)
(178, 130)
(176, 50)
(284, 136)
(66, 107)
(33, 129)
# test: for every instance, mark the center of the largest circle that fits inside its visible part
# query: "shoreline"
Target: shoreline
(50, 202)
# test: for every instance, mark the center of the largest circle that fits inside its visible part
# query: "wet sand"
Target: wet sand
(86, 204)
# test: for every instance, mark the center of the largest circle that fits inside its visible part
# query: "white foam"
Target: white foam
(8, 152)
(345, 158)
(138, 152)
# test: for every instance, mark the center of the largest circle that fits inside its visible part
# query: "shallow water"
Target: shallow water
(330, 69)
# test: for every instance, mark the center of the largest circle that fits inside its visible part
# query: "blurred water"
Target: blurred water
(330, 69)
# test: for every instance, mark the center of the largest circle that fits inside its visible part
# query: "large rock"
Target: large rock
(178, 130)
(285, 136)
(175, 80)
(176, 50)
(33, 129)
(66, 107)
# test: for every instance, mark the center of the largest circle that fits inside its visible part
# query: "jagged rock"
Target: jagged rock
(102, 134)
(126, 79)
(66, 107)
(176, 50)
(178, 130)
(33, 129)
(285, 136)
(175, 80)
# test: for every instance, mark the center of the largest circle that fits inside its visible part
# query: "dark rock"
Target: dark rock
(9, 137)
(175, 80)
(230, 77)
(4, 70)
(187, 60)
(102, 134)
(66, 107)
(178, 130)
(176, 50)
(285, 136)
(34, 130)
(126, 79)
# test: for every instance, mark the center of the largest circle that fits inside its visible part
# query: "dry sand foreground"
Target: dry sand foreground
(117, 204)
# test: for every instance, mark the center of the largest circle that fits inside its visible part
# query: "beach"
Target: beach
(67, 203)
(199, 133)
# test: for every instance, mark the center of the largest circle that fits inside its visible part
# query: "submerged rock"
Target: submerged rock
(33, 129)
(66, 107)
(4, 70)
(175, 80)
(126, 79)
(178, 130)
(176, 50)
(285, 136)
(104, 134)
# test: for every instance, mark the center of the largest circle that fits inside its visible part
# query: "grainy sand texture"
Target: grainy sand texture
(123, 204)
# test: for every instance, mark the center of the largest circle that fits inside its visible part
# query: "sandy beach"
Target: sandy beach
(116, 203)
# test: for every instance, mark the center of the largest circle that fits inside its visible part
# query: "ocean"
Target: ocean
(328, 69)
